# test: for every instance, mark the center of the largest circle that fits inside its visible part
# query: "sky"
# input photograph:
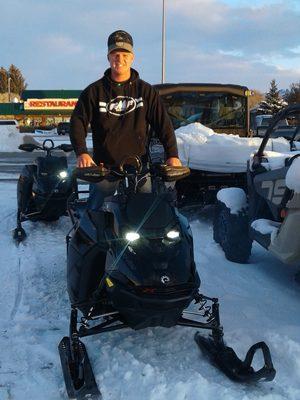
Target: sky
(62, 44)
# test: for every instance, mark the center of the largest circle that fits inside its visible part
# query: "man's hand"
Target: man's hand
(173, 162)
(85, 160)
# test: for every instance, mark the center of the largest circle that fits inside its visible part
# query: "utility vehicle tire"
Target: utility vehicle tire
(231, 231)
(216, 234)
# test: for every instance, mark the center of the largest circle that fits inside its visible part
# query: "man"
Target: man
(119, 107)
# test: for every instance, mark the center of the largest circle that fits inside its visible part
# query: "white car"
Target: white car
(9, 126)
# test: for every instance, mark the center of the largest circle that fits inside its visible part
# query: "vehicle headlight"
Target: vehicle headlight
(173, 234)
(63, 174)
(132, 236)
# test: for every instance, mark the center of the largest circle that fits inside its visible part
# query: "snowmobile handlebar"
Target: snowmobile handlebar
(48, 148)
(98, 173)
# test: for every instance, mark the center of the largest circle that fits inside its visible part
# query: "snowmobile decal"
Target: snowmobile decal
(165, 279)
(120, 105)
(275, 189)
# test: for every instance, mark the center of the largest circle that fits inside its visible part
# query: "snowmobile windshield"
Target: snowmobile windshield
(150, 211)
(213, 109)
(50, 165)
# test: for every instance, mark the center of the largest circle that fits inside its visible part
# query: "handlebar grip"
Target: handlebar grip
(91, 174)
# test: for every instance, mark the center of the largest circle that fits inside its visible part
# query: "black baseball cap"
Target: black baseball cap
(120, 40)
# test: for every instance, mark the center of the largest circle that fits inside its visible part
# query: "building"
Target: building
(41, 107)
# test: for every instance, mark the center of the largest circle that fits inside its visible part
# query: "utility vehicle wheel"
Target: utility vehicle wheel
(231, 231)
(216, 234)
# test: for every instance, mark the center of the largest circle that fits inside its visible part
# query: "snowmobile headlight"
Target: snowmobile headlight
(173, 234)
(132, 236)
(63, 174)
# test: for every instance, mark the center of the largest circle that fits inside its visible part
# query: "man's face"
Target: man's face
(120, 61)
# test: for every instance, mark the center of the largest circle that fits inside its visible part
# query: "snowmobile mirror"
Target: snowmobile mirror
(91, 174)
(171, 174)
(133, 161)
(65, 147)
(28, 147)
(47, 146)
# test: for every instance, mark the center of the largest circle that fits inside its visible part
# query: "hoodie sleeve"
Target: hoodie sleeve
(159, 120)
(80, 119)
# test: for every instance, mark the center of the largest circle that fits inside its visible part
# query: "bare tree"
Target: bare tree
(255, 98)
(3, 80)
(292, 95)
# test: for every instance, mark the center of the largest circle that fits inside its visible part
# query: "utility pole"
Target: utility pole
(163, 49)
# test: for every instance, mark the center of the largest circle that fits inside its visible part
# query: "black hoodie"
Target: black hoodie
(120, 115)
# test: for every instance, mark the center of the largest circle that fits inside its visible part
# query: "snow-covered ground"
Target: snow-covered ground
(259, 301)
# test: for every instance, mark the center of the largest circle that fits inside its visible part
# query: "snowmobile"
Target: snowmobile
(268, 210)
(131, 264)
(43, 188)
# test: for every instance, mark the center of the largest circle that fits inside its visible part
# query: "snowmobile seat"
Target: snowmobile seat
(50, 165)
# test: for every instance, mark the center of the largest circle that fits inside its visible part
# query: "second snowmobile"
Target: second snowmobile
(43, 187)
(131, 265)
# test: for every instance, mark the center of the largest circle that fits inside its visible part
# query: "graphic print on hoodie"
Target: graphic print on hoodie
(121, 105)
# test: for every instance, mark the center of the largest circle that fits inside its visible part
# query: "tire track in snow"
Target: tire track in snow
(19, 293)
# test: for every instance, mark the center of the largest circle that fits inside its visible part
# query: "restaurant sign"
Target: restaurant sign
(50, 104)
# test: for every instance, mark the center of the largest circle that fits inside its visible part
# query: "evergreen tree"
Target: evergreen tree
(292, 95)
(17, 83)
(3, 80)
(273, 101)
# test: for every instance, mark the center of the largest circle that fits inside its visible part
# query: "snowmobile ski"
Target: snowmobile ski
(77, 370)
(227, 361)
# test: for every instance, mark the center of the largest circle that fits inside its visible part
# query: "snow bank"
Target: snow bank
(202, 148)
(234, 198)
(293, 176)
(10, 141)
